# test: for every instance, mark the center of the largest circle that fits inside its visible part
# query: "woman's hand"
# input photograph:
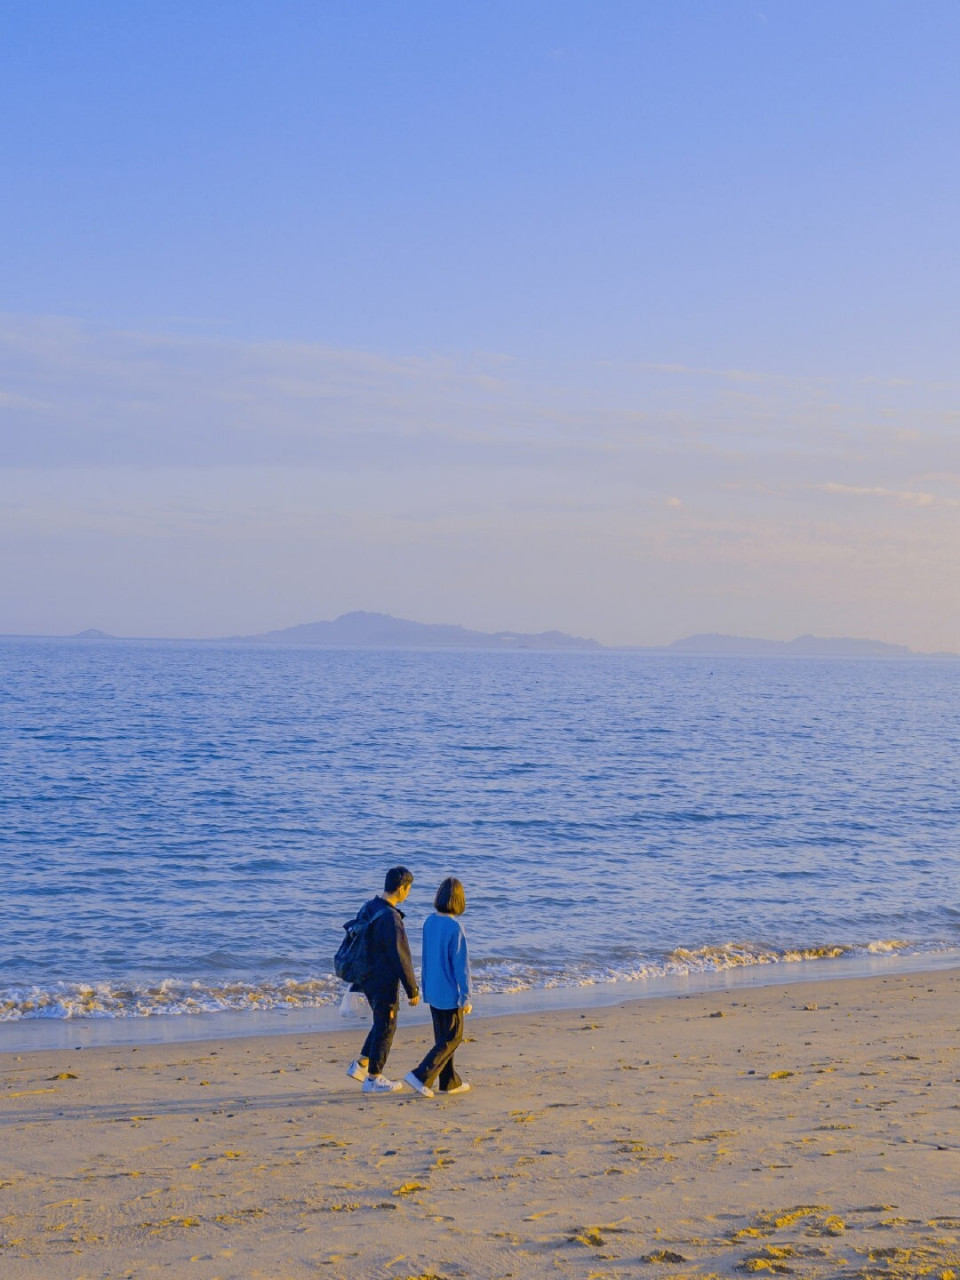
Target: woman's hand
(467, 1008)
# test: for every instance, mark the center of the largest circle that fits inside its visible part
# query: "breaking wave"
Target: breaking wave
(493, 975)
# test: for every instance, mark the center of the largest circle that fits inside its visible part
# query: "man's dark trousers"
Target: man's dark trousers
(376, 1047)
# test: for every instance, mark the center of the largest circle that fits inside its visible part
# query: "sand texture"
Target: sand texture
(807, 1130)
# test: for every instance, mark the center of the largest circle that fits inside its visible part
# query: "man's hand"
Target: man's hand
(468, 1007)
(412, 1000)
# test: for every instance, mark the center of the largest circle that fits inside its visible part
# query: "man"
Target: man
(389, 951)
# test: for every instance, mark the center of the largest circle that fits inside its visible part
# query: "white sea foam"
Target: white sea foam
(170, 996)
(178, 997)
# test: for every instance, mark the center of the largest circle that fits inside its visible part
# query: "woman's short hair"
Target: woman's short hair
(451, 899)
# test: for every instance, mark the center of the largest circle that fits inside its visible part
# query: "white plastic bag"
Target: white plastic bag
(354, 1005)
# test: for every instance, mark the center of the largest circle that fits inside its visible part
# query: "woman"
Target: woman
(446, 988)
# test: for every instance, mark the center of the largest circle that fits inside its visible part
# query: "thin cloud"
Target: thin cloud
(906, 497)
(77, 395)
(84, 397)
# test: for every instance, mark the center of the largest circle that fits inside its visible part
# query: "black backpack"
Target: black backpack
(353, 960)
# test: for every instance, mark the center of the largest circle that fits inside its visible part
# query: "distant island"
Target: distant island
(381, 631)
(363, 630)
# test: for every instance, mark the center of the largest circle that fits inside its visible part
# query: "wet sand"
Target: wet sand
(809, 1129)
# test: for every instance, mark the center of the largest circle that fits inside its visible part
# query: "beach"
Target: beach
(807, 1128)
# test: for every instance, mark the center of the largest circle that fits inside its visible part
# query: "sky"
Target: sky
(632, 319)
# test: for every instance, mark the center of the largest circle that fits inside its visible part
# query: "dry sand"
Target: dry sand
(808, 1130)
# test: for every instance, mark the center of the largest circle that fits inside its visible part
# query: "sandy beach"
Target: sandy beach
(809, 1129)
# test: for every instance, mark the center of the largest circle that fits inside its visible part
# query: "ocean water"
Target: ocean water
(185, 827)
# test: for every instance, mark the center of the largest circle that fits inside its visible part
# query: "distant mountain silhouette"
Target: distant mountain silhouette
(803, 647)
(381, 631)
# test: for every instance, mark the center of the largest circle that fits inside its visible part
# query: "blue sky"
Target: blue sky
(633, 319)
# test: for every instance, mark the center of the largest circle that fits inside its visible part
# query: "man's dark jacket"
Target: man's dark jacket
(387, 945)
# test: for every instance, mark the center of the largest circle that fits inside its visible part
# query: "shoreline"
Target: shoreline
(29, 1035)
(803, 1127)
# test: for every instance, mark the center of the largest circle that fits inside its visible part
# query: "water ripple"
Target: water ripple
(171, 811)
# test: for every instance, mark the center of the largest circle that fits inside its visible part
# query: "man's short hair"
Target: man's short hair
(396, 878)
(450, 899)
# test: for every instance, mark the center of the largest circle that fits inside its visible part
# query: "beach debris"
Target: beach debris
(920, 1261)
(789, 1216)
(769, 1220)
(223, 1155)
(590, 1236)
(641, 1151)
(239, 1215)
(155, 1227)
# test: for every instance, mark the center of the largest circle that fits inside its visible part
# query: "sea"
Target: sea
(185, 827)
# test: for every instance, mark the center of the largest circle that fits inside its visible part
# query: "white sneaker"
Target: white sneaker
(462, 1087)
(357, 1071)
(380, 1084)
(416, 1083)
